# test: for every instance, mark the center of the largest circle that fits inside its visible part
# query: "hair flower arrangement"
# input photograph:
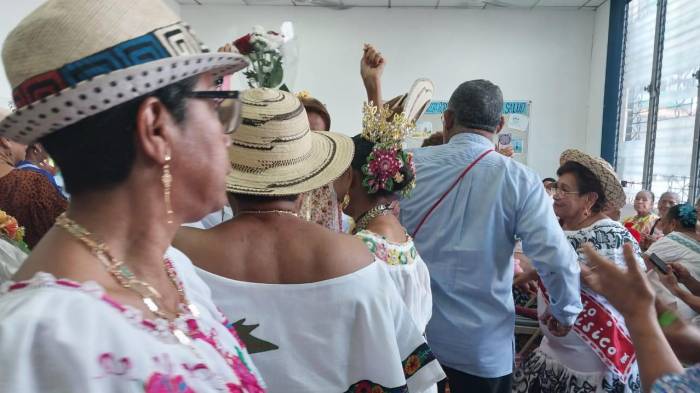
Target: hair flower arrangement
(12, 232)
(388, 165)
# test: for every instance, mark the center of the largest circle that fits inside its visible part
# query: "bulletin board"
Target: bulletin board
(515, 132)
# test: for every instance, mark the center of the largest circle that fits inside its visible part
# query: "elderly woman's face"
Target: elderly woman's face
(200, 157)
(666, 202)
(568, 202)
(643, 202)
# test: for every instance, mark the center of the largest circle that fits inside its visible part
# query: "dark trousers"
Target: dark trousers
(465, 383)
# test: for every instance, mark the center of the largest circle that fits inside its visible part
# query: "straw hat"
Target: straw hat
(71, 59)
(414, 103)
(273, 152)
(612, 187)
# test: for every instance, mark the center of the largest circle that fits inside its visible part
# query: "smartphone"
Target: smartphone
(659, 263)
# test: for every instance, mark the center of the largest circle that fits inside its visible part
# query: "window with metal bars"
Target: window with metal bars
(657, 145)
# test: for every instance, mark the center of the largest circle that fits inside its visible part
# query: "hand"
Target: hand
(371, 65)
(506, 151)
(555, 327)
(526, 281)
(646, 241)
(681, 271)
(670, 281)
(628, 291)
(228, 48)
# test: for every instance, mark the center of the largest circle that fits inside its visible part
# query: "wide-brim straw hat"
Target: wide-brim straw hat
(612, 187)
(71, 59)
(414, 103)
(274, 153)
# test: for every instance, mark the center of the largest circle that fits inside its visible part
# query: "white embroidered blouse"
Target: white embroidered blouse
(58, 335)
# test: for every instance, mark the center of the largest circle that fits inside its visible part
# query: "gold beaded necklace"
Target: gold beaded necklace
(150, 297)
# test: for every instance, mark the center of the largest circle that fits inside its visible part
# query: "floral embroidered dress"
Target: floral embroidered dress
(347, 334)
(321, 206)
(407, 270)
(643, 224)
(58, 335)
(577, 362)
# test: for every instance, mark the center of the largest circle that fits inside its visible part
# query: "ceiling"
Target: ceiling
(342, 4)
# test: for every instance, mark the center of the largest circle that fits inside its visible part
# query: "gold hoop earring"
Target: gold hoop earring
(346, 202)
(167, 180)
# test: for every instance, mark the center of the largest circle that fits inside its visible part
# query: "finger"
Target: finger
(587, 275)
(631, 261)
(374, 59)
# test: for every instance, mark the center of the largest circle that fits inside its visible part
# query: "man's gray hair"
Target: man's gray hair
(477, 104)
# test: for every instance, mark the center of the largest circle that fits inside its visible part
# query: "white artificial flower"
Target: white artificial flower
(275, 40)
(257, 29)
(261, 39)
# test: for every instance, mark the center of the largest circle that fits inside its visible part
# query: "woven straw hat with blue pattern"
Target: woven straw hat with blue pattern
(71, 59)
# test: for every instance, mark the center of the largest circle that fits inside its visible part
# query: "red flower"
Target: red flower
(363, 387)
(11, 228)
(243, 44)
(160, 383)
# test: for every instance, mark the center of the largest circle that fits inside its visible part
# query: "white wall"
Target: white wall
(599, 54)
(11, 14)
(555, 58)
(539, 55)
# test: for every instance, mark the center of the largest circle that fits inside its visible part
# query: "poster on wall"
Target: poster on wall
(514, 134)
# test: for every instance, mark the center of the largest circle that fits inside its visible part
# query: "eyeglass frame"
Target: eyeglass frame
(231, 121)
(557, 191)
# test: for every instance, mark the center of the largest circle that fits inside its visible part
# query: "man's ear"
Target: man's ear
(448, 120)
(501, 124)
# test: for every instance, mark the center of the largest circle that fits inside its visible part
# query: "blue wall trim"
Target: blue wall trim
(613, 70)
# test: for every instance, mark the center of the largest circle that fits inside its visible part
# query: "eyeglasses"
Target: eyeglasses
(227, 104)
(556, 190)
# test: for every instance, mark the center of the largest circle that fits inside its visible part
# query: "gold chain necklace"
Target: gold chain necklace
(125, 277)
(150, 297)
(291, 213)
(371, 214)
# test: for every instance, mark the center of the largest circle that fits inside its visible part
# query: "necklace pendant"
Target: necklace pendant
(181, 337)
(150, 304)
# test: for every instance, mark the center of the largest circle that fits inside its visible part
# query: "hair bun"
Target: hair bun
(687, 215)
